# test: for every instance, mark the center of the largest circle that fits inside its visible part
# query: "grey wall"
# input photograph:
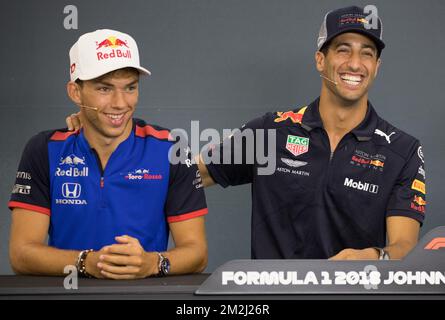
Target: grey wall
(222, 62)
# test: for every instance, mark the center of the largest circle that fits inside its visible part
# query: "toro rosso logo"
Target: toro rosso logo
(118, 49)
(142, 174)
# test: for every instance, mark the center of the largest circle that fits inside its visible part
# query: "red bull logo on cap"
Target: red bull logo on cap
(112, 42)
(353, 19)
(117, 45)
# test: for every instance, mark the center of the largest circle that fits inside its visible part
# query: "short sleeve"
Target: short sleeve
(31, 188)
(232, 162)
(185, 198)
(408, 197)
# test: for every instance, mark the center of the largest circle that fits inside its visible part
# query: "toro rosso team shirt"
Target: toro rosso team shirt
(317, 203)
(137, 194)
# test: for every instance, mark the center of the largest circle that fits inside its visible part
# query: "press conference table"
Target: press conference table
(426, 259)
(33, 287)
(169, 288)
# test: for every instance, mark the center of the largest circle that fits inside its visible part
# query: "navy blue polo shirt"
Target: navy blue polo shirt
(317, 203)
(138, 193)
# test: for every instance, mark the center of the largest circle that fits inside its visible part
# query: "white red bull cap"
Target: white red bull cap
(102, 51)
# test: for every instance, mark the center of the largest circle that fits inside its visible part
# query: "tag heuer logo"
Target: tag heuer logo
(297, 145)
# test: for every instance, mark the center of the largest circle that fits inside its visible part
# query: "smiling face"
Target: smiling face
(115, 96)
(351, 61)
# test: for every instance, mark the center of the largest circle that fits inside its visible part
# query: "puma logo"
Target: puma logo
(382, 134)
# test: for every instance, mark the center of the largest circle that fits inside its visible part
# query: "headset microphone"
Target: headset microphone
(334, 82)
(87, 107)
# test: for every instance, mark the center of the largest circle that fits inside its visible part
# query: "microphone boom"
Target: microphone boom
(334, 82)
(87, 107)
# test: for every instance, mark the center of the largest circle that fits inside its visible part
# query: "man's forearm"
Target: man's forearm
(187, 259)
(40, 259)
(399, 249)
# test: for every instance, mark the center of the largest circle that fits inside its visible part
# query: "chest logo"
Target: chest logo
(366, 160)
(293, 163)
(72, 160)
(297, 145)
(71, 193)
(142, 174)
(362, 186)
(71, 190)
(72, 166)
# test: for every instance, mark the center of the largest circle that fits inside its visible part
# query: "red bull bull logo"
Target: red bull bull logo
(418, 204)
(294, 117)
(117, 45)
(377, 163)
(419, 200)
(72, 160)
(348, 19)
(362, 20)
(112, 42)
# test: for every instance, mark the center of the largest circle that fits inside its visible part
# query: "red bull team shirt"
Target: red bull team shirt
(137, 194)
(317, 203)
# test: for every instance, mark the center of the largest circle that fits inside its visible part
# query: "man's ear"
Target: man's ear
(319, 61)
(73, 91)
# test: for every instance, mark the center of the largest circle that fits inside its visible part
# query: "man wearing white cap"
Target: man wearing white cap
(106, 195)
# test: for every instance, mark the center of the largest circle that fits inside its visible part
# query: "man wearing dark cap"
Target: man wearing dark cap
(346, 180)
(347, 184)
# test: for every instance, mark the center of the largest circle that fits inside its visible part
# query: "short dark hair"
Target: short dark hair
(325, 48)
(111, 73)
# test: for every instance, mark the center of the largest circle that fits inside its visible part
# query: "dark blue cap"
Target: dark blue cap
(351, 19)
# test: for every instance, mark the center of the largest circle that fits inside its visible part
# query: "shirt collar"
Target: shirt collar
(85, 145)
(363, 132)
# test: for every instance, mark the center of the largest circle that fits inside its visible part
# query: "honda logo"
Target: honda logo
(71, 190)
